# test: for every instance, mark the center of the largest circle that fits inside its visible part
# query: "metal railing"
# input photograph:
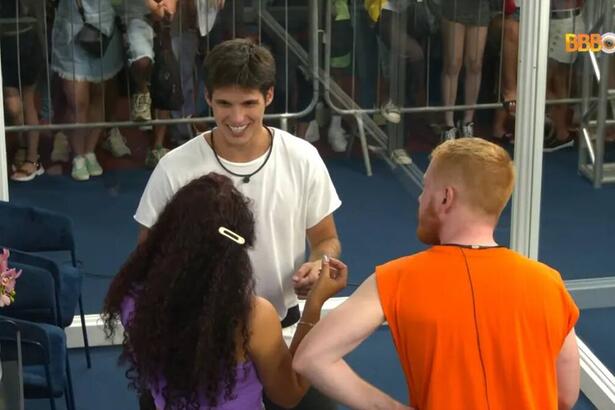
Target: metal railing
(591, 161)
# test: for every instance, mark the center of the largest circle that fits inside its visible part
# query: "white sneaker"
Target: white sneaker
(401, 157)
(154, 156)
(467, 129)
(448, 134)
(391, 112)
(80, 170)
(92, 165)
(338, 139)
(141, 107)
(116, 144)
(61, 148)
(312, 134)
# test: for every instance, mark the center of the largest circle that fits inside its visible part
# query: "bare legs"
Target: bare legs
(461, 44)
(22, 110)
(510, 50)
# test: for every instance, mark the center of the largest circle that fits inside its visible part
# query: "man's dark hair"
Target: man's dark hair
(239, 62)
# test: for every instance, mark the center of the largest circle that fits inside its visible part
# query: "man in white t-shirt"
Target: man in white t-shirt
(293, 197)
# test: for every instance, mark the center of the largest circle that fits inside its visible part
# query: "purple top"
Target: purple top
(248, 390)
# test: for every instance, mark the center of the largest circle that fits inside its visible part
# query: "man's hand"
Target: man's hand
(305, 277)
(161, 7)
(333, 278)
(220, 4)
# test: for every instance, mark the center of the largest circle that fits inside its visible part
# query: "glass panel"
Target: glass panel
(576, 217)
(595, 328)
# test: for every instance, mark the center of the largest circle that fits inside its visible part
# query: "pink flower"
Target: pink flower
(4, 260)
(8, 277)
(4, 300)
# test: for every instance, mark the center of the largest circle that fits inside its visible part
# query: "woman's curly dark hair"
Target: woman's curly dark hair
(193, 292)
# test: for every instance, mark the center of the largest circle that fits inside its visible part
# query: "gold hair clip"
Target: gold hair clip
(231, 235)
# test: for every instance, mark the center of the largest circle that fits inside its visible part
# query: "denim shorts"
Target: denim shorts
(139, 32)
(140, 40)
(557, 31)
(68, 59)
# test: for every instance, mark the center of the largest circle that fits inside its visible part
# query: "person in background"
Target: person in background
(22, 60)
(566, 17)
(84, 75)
(510, 52)
(464, 34)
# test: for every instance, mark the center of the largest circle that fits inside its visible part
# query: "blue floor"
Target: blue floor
(104, 385)
(377, 222)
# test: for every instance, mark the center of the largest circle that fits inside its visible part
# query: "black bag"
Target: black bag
(166, 86)
(427, 16)
(341, 38)
(90, 38)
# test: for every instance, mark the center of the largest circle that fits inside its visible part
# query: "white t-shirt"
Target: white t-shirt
(291, 193)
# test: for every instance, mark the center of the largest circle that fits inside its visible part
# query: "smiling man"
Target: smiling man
(293, 197)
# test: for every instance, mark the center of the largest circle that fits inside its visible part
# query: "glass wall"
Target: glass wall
(377, 90)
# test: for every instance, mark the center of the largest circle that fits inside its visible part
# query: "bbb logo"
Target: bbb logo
(590, 42)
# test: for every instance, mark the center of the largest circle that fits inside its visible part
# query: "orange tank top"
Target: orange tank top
(476, 328)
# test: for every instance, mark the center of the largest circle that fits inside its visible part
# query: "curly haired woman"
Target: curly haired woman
(196, 336)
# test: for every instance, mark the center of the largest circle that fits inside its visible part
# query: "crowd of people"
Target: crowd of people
(87, 44)
(134, 45)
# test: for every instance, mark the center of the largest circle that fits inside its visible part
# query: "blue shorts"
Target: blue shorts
(68, 59)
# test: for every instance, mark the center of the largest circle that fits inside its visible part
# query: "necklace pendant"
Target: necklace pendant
(246, 179)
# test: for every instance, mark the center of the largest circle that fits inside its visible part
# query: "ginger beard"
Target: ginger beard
(428, 230)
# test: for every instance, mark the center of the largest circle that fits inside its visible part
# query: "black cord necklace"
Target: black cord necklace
(472, 246)
(244, 177)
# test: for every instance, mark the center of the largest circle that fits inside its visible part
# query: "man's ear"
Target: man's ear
(269, 97)
(207, 96)
(449, 197)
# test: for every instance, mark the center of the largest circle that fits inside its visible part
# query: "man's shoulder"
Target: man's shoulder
(190, 148)
(539, 270)
(185, 154)
(401, 264)
(294, 145)
(410, 258)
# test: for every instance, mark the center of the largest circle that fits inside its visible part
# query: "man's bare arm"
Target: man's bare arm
(323, 240)
(568, 373)
(143, 232)
(320, 356)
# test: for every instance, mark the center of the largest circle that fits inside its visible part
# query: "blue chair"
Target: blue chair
(11, 382)
(31, 229)
(34, 300)
(43, 358)
(38, 300)
(37, 290)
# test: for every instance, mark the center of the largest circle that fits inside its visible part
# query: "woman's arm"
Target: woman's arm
(268, 350)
